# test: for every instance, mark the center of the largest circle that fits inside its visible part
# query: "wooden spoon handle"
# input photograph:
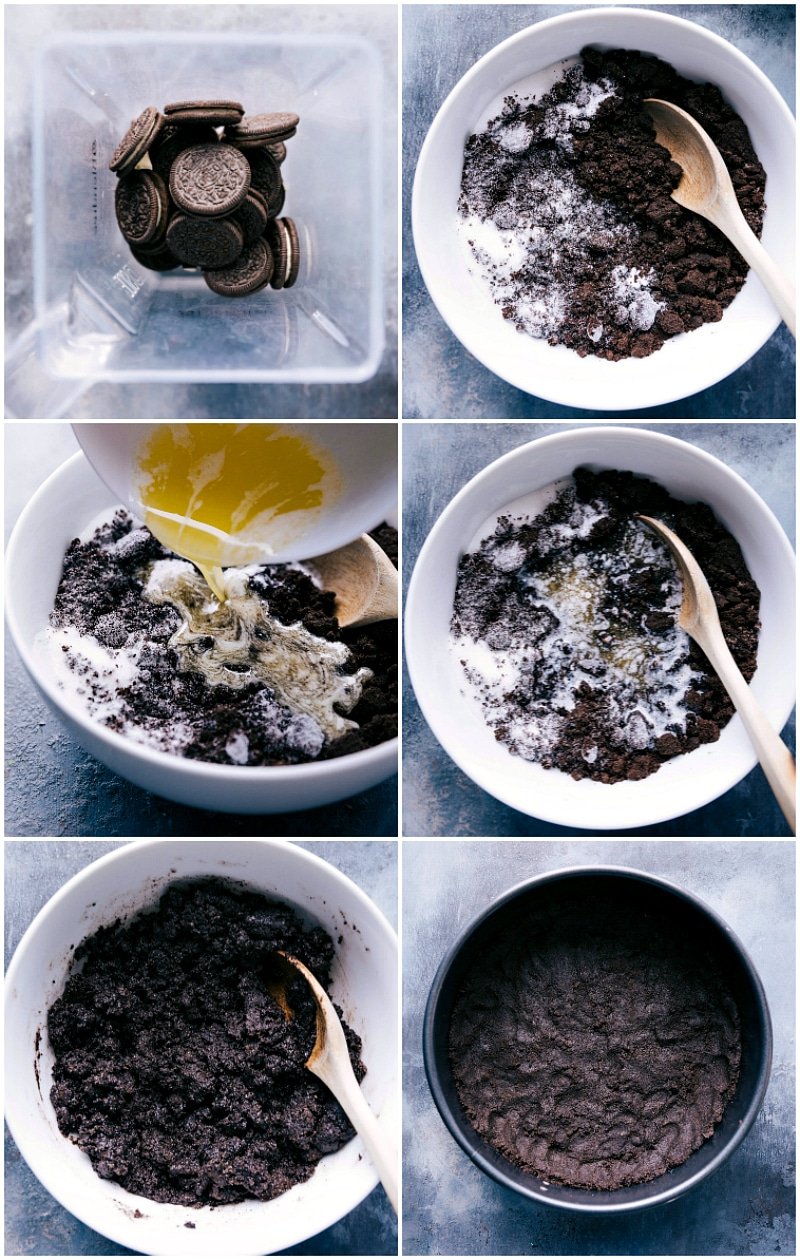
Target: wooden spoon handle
(730, 220)
(338, 1075)
(775, 758)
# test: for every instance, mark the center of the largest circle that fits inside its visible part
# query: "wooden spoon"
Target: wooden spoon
(364, 579)
(706, 189)
(700, 619)
(330, 1061)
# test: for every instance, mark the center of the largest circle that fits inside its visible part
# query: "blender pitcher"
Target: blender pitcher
(100, 315)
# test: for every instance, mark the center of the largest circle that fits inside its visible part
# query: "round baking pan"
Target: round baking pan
(691, 916)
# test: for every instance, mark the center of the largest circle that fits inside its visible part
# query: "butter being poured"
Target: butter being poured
(235, 642)
(224, 495)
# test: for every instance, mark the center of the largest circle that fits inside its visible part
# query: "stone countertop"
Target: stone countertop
(26, 27)
(440, 377)
(35, 1223)
(438, 799)
(747, 1207)
(55, 788)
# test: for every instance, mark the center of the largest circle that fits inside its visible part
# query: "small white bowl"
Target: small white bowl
(680, 785)
(685, 364)
(364, 983)
(61, 510)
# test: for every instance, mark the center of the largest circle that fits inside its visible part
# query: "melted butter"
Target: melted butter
(576, 590)
(234, 641)
(230, 494)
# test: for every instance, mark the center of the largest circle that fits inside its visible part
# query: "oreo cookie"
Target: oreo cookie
(172, 139)
(251, 271)
(284, 243)
(260, 129)
(209, 180)
(187, 198)
(136, 141)
(252, 216)
(278, 151)
(216, 113)
(160, 259)
(278, 204)
(265, 174)
(141, 203)
(204, 242)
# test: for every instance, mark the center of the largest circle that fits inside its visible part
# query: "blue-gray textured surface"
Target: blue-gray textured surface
(26, 25)
(54, 788)
(440, 377)
(747, 1206)
(438, 459)
(35, 1223)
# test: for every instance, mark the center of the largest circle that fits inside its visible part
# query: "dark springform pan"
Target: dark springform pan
(746, 988)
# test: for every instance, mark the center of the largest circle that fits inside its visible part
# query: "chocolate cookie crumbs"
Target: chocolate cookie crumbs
(266, 678)
(595, 1041)
(564, 624)
(565, 204)
(175, 1069)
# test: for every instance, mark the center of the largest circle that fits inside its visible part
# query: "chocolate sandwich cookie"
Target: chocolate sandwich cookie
(160, 259)
(217, 113)
(136, 141)
(278, 203)
(251, 271)
(204, 242)
(278, 151)
(265, 174)
(209, 180)
(140, 202)
(257, 129)
(252, 216)
(284, 242)
(172, 139)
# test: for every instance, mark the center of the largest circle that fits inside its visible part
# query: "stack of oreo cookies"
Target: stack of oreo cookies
(200, 186)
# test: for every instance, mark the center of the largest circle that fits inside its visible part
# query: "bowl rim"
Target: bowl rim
(183, 766)
(432, 1005)
(47, 1173)
(558, 390)
(415, 595)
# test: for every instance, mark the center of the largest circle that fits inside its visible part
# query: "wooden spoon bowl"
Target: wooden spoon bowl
(364, 579)
(699, 618)
(330, 1061)
(706, 189)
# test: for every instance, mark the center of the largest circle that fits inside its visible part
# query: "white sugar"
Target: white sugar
(564, 120)
(508, 557)
(636, 304)
(516, 138)
(238, 748)
(89, 674)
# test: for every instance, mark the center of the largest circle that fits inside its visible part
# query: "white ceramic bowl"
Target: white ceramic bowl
(364, 984)
(60, 510)
(364, 456)
(686, 364)
(680, 785)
